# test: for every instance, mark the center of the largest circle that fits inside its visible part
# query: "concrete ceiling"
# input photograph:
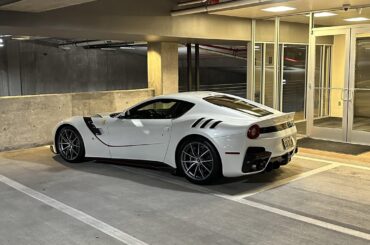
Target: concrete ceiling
(301, 6)
(36, 6)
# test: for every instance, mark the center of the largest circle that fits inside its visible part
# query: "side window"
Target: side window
(160, 109)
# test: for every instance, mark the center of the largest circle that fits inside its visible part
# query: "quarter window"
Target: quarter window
(238, 105)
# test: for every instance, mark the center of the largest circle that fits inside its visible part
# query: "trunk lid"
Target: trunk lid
(274, 120)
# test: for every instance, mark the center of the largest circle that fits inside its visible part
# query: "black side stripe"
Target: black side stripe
(277, 128)
(215, 124)
(205, 123)
(197, 122)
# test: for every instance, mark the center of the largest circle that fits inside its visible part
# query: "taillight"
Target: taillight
(253, 132)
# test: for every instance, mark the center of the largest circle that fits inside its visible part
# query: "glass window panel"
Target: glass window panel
(294, 80)
(361, 106)
(329, 84)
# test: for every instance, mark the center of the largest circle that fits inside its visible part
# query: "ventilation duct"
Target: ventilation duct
(224, 6)
(6, 2)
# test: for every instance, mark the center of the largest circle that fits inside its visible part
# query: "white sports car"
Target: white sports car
(203, 135)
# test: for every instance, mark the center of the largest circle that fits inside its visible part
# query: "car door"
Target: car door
(143, 133)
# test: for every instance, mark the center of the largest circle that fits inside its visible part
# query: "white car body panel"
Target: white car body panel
(158, 139)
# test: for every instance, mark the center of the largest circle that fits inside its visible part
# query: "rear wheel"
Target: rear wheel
(199, 160)
(70, 144)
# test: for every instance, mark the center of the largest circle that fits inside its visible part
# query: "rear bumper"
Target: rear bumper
(271, 149)
(257, 160)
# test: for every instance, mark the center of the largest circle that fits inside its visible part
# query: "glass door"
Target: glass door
(328, 88)
(359, 89)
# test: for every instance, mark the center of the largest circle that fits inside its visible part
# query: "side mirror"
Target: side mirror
(124, 115)
(121, 116)
(114, 114)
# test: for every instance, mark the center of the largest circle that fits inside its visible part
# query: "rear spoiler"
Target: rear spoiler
(276, 120)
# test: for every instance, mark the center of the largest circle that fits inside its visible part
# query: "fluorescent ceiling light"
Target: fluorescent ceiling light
(278, 9)
(323, 14)
(357, 19)
(21, 38)
(108, 49)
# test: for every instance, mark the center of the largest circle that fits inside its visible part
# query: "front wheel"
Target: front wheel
(200, 162)
(70, 144)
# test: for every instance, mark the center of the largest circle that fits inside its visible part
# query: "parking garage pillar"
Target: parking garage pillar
(163, 67)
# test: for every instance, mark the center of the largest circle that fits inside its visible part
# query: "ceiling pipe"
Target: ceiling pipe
(188, 3)
(221, 53)
(234, 50)
(224, 6)
(6, 2)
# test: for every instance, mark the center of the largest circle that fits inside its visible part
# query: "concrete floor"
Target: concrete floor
(44, 200)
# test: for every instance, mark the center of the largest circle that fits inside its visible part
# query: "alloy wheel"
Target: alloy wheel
(197, 161)
(69, 144)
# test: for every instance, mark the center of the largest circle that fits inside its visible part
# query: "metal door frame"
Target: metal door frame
(334, 134)
(359, 137)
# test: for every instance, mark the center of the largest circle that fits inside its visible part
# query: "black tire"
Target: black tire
(204, 166)
(70, 145)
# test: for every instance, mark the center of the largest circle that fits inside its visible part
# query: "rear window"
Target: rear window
(238, 105)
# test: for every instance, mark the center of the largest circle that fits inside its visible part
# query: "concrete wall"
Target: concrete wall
(27, 68)
(27, 121)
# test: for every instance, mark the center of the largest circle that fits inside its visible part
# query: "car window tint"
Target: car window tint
(182, 108)
(154, 110)
(158, 106)
(238, 104)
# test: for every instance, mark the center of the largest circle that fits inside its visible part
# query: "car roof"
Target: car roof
(190, 96)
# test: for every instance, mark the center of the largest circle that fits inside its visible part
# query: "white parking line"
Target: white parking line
(332, 162)
(257, 205)
(287, 180)
(77, 214)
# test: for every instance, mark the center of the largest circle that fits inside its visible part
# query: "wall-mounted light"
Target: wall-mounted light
(278, 9)
(357, 19)
(1, 43)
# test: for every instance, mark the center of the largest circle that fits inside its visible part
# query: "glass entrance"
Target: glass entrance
(339, 90)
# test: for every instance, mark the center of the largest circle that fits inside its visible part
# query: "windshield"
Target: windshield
(238, 105)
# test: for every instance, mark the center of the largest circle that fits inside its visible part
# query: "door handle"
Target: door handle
(165, 130)
(352, 92)
(343, 96)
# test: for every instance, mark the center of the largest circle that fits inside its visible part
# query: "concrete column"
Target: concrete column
(251, 63)
(163, 67)
(14, 73)
(277, 81)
